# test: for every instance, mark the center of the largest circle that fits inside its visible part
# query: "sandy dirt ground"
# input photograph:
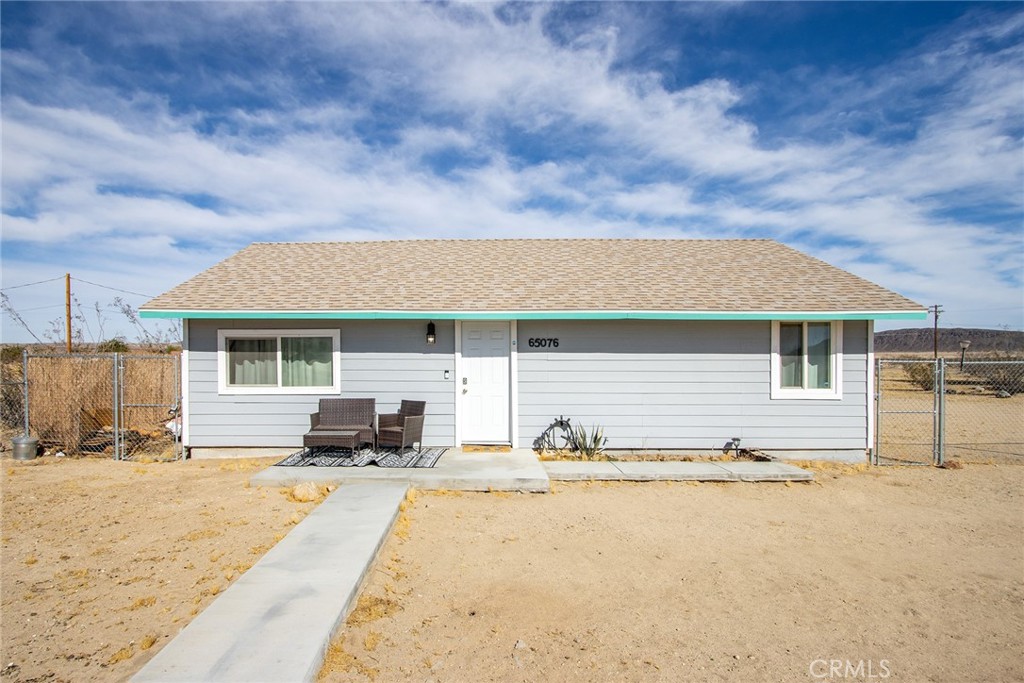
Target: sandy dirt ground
(103, 562)
(903, 574)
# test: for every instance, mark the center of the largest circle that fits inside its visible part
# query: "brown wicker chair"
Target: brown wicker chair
(404, 428)
(345, 414)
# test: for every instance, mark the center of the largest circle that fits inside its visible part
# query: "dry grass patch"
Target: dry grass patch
(445, 492)
(832, 467)
(121, 655)
(372, 640)
(147, 601)
(371, 608)
(403, 522)
(339, 659)
(245, 464)
(200, 534)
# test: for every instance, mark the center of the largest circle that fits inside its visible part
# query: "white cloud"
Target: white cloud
(99, 166)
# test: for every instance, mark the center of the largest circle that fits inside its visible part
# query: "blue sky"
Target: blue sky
(143, 142)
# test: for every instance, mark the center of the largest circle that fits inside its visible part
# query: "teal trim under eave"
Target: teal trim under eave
(534, 315)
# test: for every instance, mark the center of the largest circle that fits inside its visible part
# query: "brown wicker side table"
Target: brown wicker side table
(328, 437)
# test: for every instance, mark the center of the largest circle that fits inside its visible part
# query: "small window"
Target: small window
(806, 360)
(299, 361)
(252, 362)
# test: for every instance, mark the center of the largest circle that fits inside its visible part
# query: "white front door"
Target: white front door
(485, 382)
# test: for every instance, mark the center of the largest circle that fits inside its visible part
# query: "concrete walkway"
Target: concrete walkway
(276, 621)
(740, 470)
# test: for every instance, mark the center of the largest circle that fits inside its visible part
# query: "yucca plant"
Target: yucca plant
(590, 444)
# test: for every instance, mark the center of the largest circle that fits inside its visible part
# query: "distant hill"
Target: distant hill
(920, 339)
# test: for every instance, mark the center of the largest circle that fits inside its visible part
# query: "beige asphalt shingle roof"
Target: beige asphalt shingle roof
(528, 275)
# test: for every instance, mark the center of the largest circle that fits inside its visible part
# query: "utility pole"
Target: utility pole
(67, 307)
(935, 310)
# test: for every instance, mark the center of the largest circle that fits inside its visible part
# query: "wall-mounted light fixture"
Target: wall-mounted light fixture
(431, 333)
(963, 352)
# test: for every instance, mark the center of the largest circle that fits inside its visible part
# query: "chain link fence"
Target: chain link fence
(122, 406)
(12, 401)
(928, 411)
(984, 411)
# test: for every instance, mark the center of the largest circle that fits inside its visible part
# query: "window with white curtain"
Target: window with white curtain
(807, 359)
(279, 361)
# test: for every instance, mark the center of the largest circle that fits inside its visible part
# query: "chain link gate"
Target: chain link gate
(908, 415)
(928, 410)
(122, 405)
(149, 396)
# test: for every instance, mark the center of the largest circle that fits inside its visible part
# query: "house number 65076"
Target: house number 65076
(542, 342)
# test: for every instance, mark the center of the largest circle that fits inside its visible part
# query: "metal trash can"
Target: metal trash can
(25, 447)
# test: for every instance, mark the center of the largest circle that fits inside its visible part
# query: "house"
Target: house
(666, 344)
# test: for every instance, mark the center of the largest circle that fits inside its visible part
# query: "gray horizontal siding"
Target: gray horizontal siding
(692, 384)
(385, 360)
(650, 384)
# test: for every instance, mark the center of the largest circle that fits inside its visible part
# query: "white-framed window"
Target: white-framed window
(807, 360)
(279, 361)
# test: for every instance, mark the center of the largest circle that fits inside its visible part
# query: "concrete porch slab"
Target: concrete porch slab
(518, 470)
(276, 621)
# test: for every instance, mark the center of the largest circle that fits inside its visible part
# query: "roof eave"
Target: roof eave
(194, 314)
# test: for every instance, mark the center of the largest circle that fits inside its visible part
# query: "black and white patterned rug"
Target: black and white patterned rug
(326, 456)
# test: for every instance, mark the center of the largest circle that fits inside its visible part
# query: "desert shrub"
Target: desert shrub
(113, 345)
(11, 353)
(921, 374)
(1008, 377)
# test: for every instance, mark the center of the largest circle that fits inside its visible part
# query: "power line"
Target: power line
(983, 310)
(30, 284)
(78, 279)
(113, 289)
(40, 308)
